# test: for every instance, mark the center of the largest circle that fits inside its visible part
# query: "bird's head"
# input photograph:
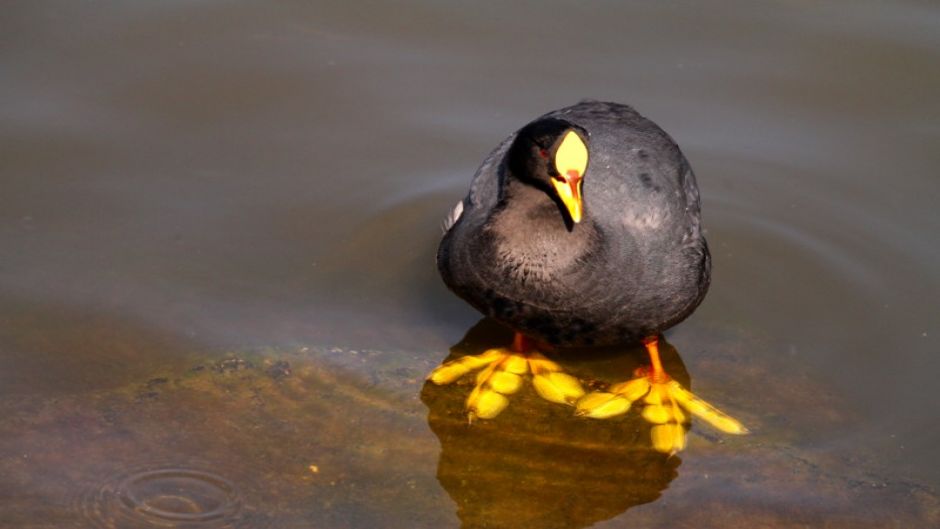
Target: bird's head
(552, 155)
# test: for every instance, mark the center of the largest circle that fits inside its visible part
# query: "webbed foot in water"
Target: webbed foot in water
(502, 373)
(666, 404)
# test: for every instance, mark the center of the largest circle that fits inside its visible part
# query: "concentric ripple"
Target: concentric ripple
(161, 497)
(179, 495)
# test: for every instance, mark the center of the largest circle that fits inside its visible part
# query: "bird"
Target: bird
(581, 229)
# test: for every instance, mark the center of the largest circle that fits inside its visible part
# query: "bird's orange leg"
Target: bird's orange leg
(522, 343)
(502, 371)
(665, 403)
(655, 371)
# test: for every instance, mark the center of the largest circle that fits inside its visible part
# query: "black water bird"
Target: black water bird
(581, 229)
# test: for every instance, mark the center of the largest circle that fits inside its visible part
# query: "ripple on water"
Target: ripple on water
(167, 496)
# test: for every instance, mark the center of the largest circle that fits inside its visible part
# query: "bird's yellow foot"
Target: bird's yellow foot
(502, 372)
(666, 404)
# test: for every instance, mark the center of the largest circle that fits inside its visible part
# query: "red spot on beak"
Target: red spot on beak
(573, 178)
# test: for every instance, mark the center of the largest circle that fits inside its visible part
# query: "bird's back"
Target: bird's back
(640, 263)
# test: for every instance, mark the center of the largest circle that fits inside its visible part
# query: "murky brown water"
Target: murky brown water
(218, 300)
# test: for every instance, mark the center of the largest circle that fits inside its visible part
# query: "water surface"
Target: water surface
(217, 229)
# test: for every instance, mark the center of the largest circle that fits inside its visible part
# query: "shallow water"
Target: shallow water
(218, 297)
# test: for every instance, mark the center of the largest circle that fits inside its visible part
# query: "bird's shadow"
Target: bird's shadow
(536, 464)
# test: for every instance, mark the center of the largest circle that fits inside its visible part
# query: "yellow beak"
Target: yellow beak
(571, 160)
(569, 191)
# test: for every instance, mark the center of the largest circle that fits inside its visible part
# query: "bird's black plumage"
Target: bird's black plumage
(636, 264)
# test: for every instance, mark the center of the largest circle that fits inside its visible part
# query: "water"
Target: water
(218, 297)
(166, 495)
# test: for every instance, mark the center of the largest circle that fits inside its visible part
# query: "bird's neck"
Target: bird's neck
(536, 202)
(529, 227)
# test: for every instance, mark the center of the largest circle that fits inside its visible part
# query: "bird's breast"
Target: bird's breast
(535, 245)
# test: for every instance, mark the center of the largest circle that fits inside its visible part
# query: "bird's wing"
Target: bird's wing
(452, 217)
(692, 200)
(689, 185)
(484, 188)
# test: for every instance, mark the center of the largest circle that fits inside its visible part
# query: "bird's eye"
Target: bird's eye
(543, 153)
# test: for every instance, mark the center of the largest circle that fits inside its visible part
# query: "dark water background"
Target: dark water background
(181, 182)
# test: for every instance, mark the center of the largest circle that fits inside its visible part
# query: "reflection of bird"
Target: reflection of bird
(532, 472)
(581, 229)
